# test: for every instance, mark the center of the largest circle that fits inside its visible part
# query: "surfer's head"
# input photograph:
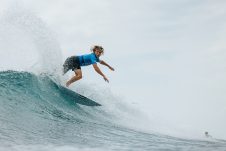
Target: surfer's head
(207, 134)
(98, 50)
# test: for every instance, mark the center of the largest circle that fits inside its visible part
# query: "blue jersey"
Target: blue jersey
(88, 59)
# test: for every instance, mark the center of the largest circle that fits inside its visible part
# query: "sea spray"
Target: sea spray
(27, 44)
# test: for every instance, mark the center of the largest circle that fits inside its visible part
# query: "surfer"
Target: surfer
(74, 63)
(207, 135)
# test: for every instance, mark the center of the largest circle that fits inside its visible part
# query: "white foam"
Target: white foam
(47, 147)
(27, 43)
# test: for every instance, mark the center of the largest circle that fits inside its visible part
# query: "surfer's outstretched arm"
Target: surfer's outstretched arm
(104, 63)
(97, 69)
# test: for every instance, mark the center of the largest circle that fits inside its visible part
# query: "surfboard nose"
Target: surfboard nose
(77, 98)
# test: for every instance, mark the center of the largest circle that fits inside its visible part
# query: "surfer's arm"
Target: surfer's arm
(97, 69)
(104, 63)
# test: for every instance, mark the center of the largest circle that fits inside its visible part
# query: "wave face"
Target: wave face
(35, 114)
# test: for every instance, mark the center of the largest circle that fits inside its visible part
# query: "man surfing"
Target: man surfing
(74, 63)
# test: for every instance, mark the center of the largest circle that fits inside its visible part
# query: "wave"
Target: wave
(34, 110)
(24, 88)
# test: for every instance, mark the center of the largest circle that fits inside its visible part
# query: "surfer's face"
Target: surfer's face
(97, 52)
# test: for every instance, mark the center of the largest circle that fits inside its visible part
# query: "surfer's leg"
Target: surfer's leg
(78, 76)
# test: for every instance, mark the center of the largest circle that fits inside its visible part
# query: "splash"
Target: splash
(27, 44)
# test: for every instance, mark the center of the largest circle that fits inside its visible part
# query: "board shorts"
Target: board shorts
(71, 63)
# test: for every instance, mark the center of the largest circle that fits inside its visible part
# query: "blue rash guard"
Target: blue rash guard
(88, 59)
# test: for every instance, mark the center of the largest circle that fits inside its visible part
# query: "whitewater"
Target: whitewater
(36, 114)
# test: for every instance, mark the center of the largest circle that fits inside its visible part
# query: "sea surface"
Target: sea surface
(36, 114)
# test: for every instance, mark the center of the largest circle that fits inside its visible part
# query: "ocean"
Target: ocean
(35, 115)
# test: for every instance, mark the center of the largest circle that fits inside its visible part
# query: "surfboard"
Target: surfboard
(77, 98)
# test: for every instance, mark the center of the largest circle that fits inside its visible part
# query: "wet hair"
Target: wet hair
(96, 47)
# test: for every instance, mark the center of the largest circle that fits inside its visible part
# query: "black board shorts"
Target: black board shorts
(71, 63)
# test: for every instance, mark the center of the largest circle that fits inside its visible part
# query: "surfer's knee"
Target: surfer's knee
(79, 76)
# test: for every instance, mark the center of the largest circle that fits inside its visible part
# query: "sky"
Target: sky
(169, 55)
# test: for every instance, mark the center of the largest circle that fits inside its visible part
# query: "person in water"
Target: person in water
(74, 63)
(208, 135)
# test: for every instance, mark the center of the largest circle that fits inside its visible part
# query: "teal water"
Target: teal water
(35, 114)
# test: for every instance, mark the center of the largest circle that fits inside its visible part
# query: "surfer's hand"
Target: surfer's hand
(112, 68)
(106, 79)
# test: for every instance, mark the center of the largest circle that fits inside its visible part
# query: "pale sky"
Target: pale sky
(169, 55)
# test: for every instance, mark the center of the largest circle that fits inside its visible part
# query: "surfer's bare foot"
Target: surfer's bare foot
(67, 84)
